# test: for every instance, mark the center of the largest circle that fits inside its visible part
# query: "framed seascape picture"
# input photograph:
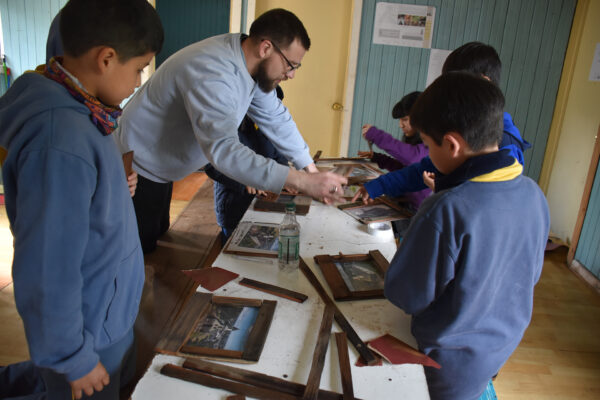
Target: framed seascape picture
(276, 203)
(355, 276)
(258, 239)
(220, 327)
(380, 210)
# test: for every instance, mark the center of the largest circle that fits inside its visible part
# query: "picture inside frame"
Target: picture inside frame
(277, 203)
(378, 211)
(254, 239)
(354, 276)
(357, 173)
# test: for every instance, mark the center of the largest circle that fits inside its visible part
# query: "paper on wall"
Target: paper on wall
(403, 25)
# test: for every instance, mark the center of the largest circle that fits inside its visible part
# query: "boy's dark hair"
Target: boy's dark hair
(131, 27)
(402, 108)
(281, 27)
(460, 102)
(475, 57)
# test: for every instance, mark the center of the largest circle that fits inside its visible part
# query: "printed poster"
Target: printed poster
(403, 25)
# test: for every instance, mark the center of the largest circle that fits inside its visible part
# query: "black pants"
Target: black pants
(152, 201)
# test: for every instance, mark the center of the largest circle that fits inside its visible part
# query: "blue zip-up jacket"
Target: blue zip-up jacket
(410, 179)
(78, 268)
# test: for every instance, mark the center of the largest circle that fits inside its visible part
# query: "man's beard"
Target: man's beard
(265, 83)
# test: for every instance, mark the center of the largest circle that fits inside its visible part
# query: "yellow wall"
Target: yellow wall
(320, 81)
(575, 123)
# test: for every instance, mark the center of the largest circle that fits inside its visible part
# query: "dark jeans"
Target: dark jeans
(152, 201)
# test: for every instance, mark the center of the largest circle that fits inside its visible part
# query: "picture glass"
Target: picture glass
(360, 275)
(226, 327)
(260, 237)
(374, 212)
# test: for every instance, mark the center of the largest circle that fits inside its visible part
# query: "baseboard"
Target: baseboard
(583, 273)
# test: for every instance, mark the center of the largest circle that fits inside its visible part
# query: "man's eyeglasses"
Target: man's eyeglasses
(292, 66)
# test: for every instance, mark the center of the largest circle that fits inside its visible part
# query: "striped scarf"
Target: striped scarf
(103, 117)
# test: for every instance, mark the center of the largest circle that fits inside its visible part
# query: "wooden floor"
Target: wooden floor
(559, 357)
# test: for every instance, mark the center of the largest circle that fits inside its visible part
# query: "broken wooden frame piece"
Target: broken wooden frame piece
(339, 285)
(176, 340)
(388, 210)
(277, 203)
(274, 290)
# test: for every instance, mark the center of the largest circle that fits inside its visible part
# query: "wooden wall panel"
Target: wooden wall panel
(530, 36)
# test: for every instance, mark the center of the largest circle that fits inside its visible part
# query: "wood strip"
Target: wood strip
(381, 262)
(255, 378)
(353, 337)
(258, 335)
(236, 397)
(345, 372)
(316, 370)
(274, 290)
(201, 378)
(237, 301)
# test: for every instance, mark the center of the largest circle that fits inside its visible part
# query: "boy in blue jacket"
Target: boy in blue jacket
(474, 251)
(78, 268)
(480, 59)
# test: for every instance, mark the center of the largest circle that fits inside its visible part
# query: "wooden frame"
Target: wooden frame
(277, 202)
(258, 239)
(341, 282)
(204, 328)
(380, 210)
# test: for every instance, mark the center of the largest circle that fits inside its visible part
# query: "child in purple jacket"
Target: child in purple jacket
(404, 152)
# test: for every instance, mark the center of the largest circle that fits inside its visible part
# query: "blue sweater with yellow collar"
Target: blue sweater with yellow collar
(466, 269)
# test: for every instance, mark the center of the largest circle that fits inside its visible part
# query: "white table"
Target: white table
(289, 347)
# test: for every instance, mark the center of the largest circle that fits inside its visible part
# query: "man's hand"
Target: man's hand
(320, 185)
(132, 181)
(429, 180)
(95, 380)
(255, 191)
(363, 195)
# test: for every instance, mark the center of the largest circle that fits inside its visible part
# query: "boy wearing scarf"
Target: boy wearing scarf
(468, 263)
(78, 268)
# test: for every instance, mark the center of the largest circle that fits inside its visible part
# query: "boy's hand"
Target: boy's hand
(429, 180)
(363, 195)
(365, 154)
(95, 380)
(365, 128)
(132, 181)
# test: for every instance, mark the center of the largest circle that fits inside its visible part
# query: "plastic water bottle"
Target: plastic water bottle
(289, 240)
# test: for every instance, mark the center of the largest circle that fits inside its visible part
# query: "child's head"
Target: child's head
(459, 115)
(401, 112)
(118, 37)
(475, 57)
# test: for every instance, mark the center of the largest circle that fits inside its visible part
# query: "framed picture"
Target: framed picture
(220, 327)
(276, 203)
(357, 173)
(355, 276)
(380, 210)
(258, 239)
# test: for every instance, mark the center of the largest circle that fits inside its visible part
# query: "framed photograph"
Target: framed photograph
(259, 239)
(220, 327)
(355, 276)
(276, 203)
(380, 210)
(357, 173)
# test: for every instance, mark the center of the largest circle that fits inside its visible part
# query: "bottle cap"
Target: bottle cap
(290, 207)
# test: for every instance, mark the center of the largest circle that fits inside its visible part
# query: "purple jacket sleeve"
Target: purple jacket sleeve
(405, 153)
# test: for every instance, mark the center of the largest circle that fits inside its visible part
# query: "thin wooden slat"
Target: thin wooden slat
(353, 337)
(314, 377)
(344, 360)
(258, 334)
(255, 378)
(274, 290)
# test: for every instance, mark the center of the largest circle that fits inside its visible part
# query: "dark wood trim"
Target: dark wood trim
(345, 371)
(260, 329)
(316, 369)
(353, 337)
(274, 290)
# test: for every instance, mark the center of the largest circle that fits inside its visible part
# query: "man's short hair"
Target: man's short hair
(131, 27)
(476, 57)
(281, 27)
(402, 108)
(461, 102)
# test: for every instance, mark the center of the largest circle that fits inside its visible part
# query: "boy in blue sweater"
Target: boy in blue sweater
(78, 268)
(474, 251)
(480, 59)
